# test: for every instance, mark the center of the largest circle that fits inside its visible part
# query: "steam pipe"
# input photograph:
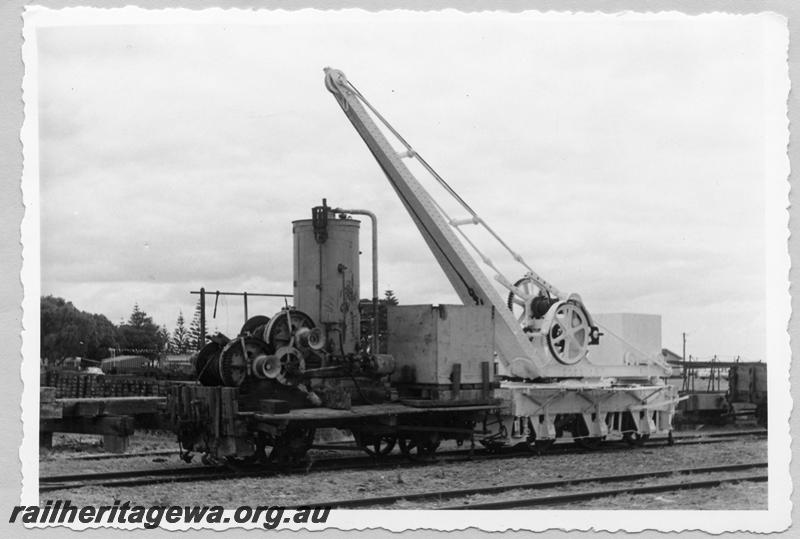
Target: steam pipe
(374, 220)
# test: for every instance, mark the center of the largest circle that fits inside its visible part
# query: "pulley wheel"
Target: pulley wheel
(569, 333)
(292, 365)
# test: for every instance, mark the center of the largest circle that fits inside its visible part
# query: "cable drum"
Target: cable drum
(206, 363)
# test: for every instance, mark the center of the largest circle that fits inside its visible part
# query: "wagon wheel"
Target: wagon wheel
(581, 434)
(292, 446)
(539, 446)
(543, 446)
(260, 452)
(634, 439)
(589, 442)
(376, 445)
(419, 446)
(492, 445)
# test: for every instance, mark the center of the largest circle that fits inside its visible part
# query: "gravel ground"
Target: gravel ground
(336, 485)
(61, 459)
(738, 496)
(628, 501)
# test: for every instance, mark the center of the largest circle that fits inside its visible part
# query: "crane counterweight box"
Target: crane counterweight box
(628, 338)
(428, 340)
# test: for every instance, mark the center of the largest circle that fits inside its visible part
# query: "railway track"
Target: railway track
(348, 446)
(109, 456)
(561, 498)
(185, 473)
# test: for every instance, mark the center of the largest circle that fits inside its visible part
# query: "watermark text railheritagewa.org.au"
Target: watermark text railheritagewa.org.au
(64, 512)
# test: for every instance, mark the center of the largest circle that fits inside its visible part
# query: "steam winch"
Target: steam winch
(305, 347)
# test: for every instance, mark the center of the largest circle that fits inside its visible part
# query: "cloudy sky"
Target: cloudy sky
(625, 157)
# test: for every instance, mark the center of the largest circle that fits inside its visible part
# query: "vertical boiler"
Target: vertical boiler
(326, 276)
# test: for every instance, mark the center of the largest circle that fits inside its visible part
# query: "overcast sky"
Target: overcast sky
(624, 157)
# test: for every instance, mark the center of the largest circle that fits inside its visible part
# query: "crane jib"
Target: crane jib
(526, 345)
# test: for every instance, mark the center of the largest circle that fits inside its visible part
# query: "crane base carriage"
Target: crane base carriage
(283, 378)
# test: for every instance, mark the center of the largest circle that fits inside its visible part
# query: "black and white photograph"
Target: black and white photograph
(308, 269)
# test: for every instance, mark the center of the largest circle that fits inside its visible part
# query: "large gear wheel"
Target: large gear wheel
(254, 326)
(278, 334)
(568, 332)
(532, 301)
(236, 358)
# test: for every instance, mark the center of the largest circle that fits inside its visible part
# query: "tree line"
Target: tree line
(67, 331)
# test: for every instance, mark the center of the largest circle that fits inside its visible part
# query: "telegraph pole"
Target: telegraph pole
(686, 373)
(684, 347)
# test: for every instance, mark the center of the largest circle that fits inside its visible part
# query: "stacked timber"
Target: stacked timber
(73, 385)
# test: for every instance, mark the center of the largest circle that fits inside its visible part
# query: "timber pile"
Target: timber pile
(73, 384)
(111, 417)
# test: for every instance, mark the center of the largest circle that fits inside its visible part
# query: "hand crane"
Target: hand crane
(550, 338)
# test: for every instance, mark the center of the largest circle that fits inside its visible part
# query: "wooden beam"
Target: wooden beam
(47, 394)
(112, 406)
(116, 425)
(50, 410)
(455, 378)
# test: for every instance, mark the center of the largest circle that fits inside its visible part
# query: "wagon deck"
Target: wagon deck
(319, 417)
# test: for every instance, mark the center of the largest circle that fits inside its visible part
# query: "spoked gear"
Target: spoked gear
(569, 332)
(529, 301)
(255, 326)
(237, 357)
(278, 333)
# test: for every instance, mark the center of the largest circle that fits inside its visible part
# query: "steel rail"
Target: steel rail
(108, 456)
(540, 485)
(585, 496)
(153, 472)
